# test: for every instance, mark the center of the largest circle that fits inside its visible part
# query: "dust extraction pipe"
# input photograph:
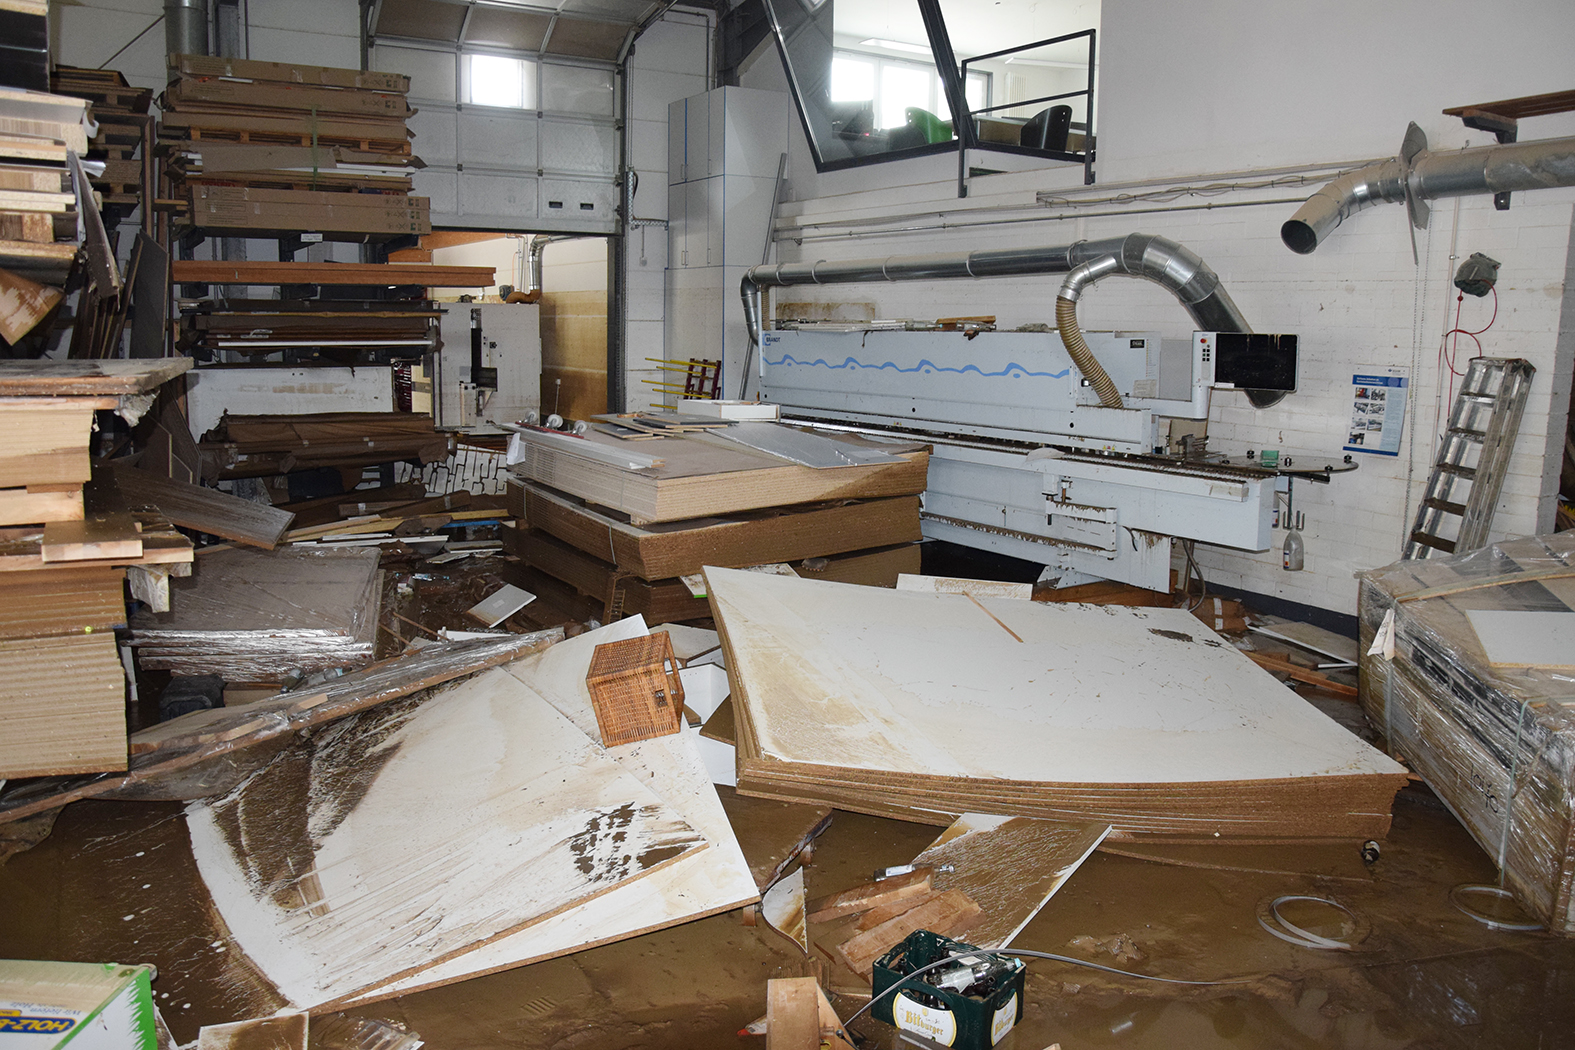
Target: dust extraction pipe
(1152, 258)
(1430, 175)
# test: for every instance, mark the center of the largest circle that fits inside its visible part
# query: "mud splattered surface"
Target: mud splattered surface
(115, 882)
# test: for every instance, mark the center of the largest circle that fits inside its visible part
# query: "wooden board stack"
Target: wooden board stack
(121, 112)
(62, 570)
(730, 506)
(38, 206)
(925, 706)
(266, 616)
(262, 446)
(268, 147)
(1497, 743)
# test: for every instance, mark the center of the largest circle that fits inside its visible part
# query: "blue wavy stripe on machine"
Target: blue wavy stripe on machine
(854, 363)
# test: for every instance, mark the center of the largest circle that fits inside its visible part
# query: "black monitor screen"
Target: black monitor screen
(1255, 361)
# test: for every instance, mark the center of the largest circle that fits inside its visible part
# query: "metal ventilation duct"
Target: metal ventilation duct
(1157, 259)
(1419, 175)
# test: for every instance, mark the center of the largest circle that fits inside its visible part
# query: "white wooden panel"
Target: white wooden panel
(210, 392)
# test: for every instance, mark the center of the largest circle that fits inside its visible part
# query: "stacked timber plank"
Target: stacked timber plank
(600, 553)
(1491, 731)
(926, 706)
(265, 616)
(730, 505)
(268, 147)
(262, 446)
(38, 204)
(121, 113)
(63, 567)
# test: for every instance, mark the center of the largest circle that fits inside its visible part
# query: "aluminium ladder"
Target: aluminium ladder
(1457, 508)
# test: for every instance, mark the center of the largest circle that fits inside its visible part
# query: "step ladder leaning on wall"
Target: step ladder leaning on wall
(1457, 508)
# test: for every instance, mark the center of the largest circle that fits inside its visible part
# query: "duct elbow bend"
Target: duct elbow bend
(1352, 192)
(750, 292)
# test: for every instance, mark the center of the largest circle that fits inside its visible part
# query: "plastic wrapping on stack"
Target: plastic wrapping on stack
(266, 616)
(1496, 742)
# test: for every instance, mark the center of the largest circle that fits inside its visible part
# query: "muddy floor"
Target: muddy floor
(113, 882)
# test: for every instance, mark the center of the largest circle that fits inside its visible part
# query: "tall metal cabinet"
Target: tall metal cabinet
(724, 151)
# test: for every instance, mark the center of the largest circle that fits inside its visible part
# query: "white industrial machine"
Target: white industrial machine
(487, 370)
(1082, 461)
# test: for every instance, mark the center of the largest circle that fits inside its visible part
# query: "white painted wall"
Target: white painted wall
(671, 60)
(1224, 85)
(576, 265)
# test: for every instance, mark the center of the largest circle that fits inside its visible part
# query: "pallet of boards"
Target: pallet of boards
(1470, 685)
(63, 567)
(924, 706)
(671, 600)
(736, 540)
(251, 615)
(272, 147)
(696, 475)
(38, 204)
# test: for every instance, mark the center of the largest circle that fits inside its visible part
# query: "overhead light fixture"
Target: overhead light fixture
(896, 45)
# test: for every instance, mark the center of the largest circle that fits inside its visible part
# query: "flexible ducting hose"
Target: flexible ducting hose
(1082, 356)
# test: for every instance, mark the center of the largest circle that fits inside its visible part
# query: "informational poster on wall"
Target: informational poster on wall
(1378, 410)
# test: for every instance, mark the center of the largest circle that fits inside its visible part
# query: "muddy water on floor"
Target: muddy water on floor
(114, 882)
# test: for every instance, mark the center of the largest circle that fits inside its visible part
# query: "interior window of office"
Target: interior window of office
(891, 86)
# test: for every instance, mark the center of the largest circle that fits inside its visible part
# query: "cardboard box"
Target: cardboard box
(88, 1006)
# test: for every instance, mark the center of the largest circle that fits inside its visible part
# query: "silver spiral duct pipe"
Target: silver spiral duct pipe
(1157, 259)
(1428, 175)
(185, 27)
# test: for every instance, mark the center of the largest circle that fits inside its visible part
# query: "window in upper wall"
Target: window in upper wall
(892, 86)
(498, 80)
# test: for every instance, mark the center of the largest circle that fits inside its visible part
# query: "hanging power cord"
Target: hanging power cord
(1193, 569)
(1034, 955)
(1449, 351)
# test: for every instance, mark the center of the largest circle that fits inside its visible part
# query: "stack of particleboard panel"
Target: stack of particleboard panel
(261, 446)
(925, 706)
(265, 616)
(1495, 741)
(349, 123)
(698, 475)
(121, 112)
(38, 220)
(869, 541)
(62, 688)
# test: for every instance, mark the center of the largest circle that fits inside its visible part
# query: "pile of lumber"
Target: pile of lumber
(263, 446)
(269, 147)
(265, 616)
(63, 567)
(121, 113)
(345, 331)
(925, 706)
(1470, 683)
(38, 204)
(625, 522)
(640, 569)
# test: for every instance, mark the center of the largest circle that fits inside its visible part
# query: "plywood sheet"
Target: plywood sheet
(1142, 718)
(1009, 866)
(57, 378)
(63, 705)
(714, 880)
(1524, 638)
(411, 834)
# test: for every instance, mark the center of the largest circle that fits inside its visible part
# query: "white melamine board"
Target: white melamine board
(875, 679)
(423, 831)
(907, 581)
(258, 390)
(689, 642)
(713, 880)
(1519, 638)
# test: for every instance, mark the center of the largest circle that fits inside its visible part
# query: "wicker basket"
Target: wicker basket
(635, 689)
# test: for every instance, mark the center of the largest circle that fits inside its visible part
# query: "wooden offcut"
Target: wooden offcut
(950, 914)
(800, 1017)
(205, 509)
(103, 537)
(869, 895)
(71, 378)
(635, 689)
